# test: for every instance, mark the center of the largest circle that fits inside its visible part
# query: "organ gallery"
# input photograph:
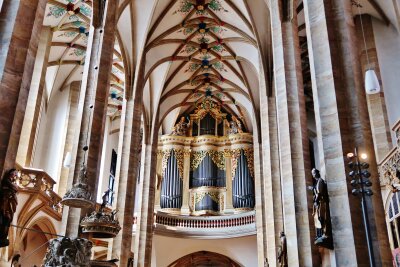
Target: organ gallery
(207, 169)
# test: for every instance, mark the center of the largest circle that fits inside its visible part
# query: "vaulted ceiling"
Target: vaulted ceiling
(191, 49)
(70, 22)
(198, 49)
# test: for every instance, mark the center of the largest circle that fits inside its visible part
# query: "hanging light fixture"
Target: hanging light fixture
(372, 85)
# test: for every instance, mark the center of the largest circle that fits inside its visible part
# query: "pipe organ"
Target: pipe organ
(205, 167)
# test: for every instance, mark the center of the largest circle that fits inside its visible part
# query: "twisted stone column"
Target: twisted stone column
(292, 130)
(342, 123)
(21, 22)
(95, 106)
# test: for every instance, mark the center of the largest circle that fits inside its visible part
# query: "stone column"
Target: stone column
(259, 196)
(145, 224)
(376, 103)
(121, 248)
(186, 177)
(72, 124)
(292, 130)
(228, 178)
(30, 125)
(272, 198)
(342, 123)
(20, 26)
(94, 111)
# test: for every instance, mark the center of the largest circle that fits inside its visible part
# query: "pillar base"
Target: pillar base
(185, 210)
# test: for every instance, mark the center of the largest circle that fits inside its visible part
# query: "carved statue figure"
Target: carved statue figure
(8, 204)
(105, 199)
(234, 126)
(321, 213)
(181, 127)
(64, 251)
(282, 251)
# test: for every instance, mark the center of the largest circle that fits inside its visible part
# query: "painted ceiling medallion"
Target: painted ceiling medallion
(201, 6)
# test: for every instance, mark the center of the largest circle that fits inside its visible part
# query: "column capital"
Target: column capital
(187, 152)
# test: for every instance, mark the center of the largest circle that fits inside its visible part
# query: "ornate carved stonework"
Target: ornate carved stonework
(234, 126)
(70, 252)
(216, 156)
(181, 128)
(101, 223)
(389, 169)
(249, 153)
(79, 196)
(179, 155)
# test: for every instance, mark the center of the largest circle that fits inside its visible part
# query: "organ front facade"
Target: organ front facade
(205, 166)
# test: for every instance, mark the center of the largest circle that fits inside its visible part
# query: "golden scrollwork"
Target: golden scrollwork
(197, 158)
(187, 152)
(217, 157)
(235, 154)
(249, 153)
(209, 107)
(179, 155)
(165, 156)
(215, 196)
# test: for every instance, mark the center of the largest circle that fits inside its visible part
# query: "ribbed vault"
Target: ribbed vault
(197, 49)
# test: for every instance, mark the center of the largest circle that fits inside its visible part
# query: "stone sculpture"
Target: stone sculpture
(321, 212)
(234, 126)
(8, 204)
(101, 223)
(79, 195)
(68, 252)
(181, 127)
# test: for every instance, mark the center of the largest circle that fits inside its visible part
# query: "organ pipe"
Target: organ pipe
(243, 185)
(172, 185)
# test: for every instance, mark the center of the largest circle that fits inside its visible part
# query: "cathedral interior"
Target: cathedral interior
(174, 133)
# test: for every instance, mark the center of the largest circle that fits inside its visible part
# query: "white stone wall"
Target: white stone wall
(166, 250)
(51, 136)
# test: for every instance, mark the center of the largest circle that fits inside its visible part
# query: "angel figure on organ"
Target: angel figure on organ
(234, 126)
(181, 128)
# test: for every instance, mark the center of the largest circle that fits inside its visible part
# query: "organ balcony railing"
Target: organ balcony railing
(37, 181)
(212, 227)
(389, 167)
(206, 222)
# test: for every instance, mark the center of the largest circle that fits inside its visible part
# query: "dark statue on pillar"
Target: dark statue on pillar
(282, 251)
(8, 204)
(321, 213)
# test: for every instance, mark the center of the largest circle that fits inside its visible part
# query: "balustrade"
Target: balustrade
(38, 181)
